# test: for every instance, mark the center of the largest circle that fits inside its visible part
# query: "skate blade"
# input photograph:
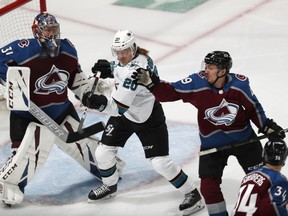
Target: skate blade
(197, 207)
(104, 198)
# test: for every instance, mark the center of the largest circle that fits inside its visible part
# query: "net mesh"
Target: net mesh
(16, 24)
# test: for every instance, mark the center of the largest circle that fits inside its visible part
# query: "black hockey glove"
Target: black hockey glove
(104, 67)
(272, 129)
(146, 78)
(94, 101)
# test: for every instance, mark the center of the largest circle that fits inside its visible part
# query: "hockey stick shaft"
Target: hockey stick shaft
(80, 127)
(213, 150)
(68, 137)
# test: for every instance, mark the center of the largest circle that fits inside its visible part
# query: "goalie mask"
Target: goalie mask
(275, 152)
(124, 40)
(221, 59)
(46, 29)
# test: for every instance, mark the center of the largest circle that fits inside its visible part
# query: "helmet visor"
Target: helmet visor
(126, 52)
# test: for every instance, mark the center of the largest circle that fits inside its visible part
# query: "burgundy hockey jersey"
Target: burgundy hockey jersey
(263, 192)
(224, 115)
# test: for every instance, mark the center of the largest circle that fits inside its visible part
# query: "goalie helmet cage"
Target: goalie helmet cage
(16, 18)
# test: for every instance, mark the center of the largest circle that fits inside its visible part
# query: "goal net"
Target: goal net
(16, 18)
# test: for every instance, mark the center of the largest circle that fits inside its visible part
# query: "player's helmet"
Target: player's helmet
(123, 39)
(221, 59)
(275, 152)
(46, 29)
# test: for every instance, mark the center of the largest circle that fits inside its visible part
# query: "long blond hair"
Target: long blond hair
(142, 51)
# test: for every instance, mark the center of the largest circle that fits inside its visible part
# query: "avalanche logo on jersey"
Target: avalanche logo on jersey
(224, 114)
(55, 81)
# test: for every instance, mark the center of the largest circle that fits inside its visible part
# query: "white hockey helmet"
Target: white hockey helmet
(124, 39)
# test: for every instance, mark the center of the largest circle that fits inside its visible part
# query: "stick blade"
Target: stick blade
(86, 132)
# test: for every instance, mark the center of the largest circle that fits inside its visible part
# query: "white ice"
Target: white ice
(255, 32)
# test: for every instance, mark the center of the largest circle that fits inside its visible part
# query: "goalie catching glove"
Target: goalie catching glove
(94, 101)
(146, 78)
(272, 129)
(104, 67)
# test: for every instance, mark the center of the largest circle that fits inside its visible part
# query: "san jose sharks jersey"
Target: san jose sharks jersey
(223, 114)
(50, 77)
(133, 101)
(262, 192)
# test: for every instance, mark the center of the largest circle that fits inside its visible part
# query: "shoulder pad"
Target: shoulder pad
(241, 77)
(201, 74)
(69, 42)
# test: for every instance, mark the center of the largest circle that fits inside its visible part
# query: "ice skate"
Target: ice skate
(103, 192)
(192, 203)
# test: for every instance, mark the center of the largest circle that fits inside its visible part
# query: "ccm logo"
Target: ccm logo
(10, 95)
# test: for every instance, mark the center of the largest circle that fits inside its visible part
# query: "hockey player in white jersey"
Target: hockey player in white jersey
(133, 109)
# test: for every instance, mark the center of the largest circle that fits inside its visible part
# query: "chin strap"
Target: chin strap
(218, 77)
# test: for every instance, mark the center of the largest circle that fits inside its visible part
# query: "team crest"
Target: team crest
(224, 114)
(54, 81)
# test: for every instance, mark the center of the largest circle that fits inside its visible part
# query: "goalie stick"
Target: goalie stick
(80, 127)
(68, 137)
(213, 150)
(18, 84)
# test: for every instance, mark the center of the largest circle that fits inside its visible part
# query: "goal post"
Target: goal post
(11, 5)
(16, 19)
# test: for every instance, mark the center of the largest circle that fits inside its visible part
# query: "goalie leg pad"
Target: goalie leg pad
(83, 151)
(29, 159)
(10, 194)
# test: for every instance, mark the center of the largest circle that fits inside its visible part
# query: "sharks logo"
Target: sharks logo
(224, 114)
(54, 81)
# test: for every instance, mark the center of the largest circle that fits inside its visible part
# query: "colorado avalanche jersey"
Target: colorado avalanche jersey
(49, 77)
(263, 192)
(223, 114)
(134, 101)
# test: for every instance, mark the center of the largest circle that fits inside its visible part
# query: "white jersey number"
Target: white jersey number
(242, 204)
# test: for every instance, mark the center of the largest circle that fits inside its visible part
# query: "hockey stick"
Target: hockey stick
(80, 127)
(213, 150)
(68, 137)
(18, 84)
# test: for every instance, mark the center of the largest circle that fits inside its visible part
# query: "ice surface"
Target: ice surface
(255, 32)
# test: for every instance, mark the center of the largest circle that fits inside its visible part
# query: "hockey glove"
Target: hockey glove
(272, 129)
(94, 101)
(104, 67)
(146, 78)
